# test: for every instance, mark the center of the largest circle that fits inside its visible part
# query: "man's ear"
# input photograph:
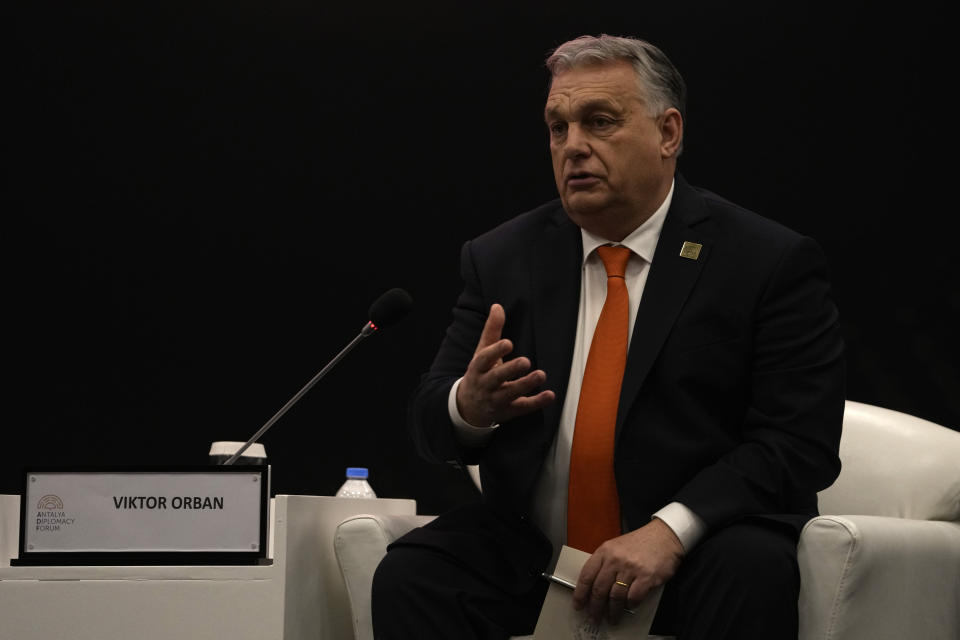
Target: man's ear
(671, 133)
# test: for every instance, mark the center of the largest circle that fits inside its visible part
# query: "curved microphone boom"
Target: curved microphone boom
(385, 311)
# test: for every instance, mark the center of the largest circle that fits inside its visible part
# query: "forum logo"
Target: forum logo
(51, 515)
(50, 502)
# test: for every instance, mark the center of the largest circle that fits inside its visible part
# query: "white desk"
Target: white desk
(300, 596)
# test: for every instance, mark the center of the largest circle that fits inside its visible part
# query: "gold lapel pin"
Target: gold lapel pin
(690, 250)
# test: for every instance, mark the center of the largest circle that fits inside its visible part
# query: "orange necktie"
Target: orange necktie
(593, 508)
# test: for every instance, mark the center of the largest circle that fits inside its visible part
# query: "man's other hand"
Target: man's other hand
(643, 559)
(494, 391)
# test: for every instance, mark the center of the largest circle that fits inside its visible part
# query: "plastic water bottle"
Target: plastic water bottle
(356, 485)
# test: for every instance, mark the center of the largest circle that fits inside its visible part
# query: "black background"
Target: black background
(203, 201)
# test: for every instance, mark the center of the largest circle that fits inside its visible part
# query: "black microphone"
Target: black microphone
(384, 312)
(387, 310)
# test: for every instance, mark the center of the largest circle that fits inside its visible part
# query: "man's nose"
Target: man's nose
(576, 145)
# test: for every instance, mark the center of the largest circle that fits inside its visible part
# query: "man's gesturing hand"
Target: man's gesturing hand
(643, 559)
(492, 390)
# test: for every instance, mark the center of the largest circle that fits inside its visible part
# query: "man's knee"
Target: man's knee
(740, 582)
(404, 588)
(759, 553)
(753, 564)
(422, 593)
(396, 574)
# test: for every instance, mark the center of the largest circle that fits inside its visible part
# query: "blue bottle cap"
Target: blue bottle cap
(357, 472)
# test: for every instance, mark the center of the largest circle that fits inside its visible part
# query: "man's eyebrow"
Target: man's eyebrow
(596, 104)
(585, 107)
(550, 112)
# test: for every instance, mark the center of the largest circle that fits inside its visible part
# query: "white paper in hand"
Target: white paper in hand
(559, 620)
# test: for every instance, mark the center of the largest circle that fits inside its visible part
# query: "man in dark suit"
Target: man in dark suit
(727, 392)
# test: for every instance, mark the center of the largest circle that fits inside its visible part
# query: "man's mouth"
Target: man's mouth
(581, 179)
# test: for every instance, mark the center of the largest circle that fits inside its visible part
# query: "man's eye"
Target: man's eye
(558, 128)
(601, 122)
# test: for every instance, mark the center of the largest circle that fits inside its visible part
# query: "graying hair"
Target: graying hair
(661, 85)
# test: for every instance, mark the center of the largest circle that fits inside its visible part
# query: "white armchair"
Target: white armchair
(890, 567)
(887, 569)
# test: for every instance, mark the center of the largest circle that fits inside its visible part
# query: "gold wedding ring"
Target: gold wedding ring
(622, 584)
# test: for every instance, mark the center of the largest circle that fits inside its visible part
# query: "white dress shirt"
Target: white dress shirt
(550, 500)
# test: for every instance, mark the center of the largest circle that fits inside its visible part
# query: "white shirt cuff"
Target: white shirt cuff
(467, 434)
(687, 525)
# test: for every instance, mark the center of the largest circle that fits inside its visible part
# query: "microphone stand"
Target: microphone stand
(367, 330)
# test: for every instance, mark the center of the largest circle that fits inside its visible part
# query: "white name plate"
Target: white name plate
(213, 510)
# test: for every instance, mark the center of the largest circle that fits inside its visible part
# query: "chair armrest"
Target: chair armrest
(875, 578)
(360, 542)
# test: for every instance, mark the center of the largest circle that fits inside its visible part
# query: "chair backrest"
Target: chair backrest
(896, 465)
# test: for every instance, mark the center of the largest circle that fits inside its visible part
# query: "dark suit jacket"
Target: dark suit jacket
(733, 394)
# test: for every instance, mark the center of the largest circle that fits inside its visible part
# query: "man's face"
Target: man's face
(613, 161)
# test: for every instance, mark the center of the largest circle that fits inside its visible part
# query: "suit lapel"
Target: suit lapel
(669, 282)
(555, 268)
